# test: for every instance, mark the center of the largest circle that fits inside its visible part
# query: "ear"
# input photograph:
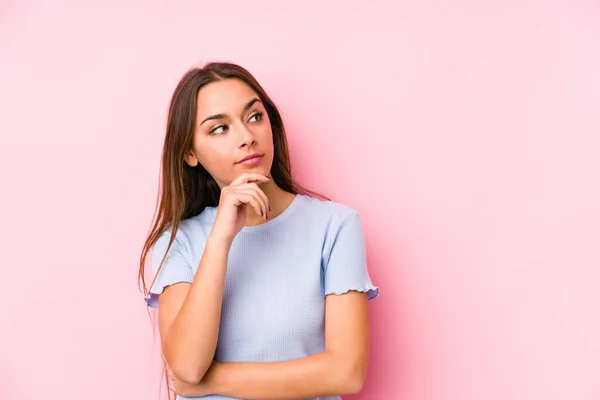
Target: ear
(191, 159)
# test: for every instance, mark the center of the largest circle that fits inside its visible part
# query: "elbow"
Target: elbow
(189, 377)
(352, 379)
(190, 370)
(352, 385)
(190, 374)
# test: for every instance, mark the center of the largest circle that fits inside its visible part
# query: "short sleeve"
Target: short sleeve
(345, 264)
(175, 269)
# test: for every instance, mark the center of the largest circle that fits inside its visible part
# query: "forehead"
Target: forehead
(226, 96)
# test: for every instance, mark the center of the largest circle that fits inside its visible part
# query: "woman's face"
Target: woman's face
(231, 124)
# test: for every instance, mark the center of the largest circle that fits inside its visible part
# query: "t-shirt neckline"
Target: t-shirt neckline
(284, 215)
(275, 221)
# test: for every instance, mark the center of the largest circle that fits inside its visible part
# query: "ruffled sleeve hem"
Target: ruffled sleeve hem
(371, 291)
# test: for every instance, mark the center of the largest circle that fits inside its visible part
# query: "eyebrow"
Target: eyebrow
(223, 116)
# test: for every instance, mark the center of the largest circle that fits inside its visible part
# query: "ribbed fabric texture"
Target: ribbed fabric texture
(278, 275)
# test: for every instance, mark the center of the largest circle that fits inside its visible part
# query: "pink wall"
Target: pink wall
(467, 135)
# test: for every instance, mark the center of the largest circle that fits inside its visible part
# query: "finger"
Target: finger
(259, 201)
(258, 191)
(245, 198)
(250, 177)
(253, 191)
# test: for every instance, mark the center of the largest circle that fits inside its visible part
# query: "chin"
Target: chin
(262, 171)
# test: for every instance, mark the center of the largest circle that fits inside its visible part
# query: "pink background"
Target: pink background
(466, 134)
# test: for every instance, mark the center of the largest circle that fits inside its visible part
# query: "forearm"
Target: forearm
(190, 343)
(318, 375)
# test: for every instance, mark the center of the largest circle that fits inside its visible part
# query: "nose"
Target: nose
(246, 137)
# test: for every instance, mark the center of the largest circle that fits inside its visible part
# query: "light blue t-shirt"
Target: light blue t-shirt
(278, 274)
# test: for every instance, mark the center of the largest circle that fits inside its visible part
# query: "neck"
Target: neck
(279, 200)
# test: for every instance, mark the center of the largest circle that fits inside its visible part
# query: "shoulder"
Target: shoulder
(190, 230)
(331, 211)
(329, 218)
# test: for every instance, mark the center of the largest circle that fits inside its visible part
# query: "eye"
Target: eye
(257, 117)
(217, 129)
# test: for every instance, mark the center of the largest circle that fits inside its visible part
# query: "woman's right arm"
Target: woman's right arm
(190, 314)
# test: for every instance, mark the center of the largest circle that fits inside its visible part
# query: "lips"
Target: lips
(250, 157)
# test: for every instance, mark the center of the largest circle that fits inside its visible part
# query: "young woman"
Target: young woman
(261, 285)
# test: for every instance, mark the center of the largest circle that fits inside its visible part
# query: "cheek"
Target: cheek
(214, 156)
(267, 134)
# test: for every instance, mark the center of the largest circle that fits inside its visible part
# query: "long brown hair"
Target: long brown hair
(185, 191)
